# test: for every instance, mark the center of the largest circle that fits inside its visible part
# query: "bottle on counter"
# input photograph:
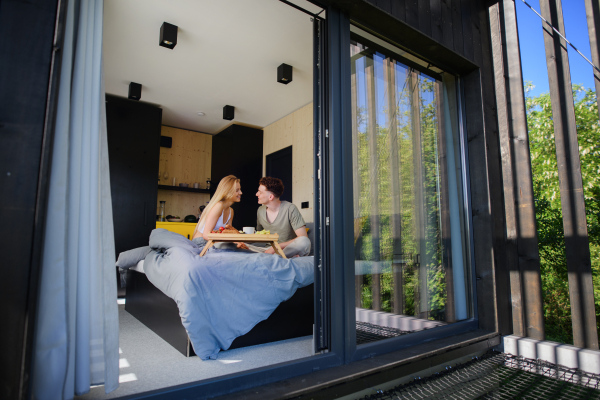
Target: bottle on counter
(161, 211)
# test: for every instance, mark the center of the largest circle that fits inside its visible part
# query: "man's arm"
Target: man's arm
(299, 232)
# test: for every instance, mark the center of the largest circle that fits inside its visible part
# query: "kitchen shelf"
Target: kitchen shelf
(183, 189)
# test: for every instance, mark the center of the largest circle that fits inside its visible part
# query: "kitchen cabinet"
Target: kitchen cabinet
(183, 228)
(238, 150)
(133, 151)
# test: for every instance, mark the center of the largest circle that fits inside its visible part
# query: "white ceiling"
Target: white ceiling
(227, 53)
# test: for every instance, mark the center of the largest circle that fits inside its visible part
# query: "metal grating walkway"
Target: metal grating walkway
(499, 376)
(366, 332)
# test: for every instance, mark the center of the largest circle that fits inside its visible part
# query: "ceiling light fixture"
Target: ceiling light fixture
(284, 74)
(228, 112)
(168, 35)
(201, 114)
(135, 91)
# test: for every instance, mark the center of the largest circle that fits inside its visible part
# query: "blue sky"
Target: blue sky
(533, 57)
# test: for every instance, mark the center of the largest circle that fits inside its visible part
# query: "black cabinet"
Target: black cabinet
(238, 150)
(133, 152)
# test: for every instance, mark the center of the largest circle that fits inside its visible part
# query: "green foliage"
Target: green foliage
(553, 264)
(379, 240)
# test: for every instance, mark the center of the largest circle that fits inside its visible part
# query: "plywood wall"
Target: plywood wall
(188, 161)
(296, 130)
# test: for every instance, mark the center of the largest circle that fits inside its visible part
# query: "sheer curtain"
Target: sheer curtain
(77, 333)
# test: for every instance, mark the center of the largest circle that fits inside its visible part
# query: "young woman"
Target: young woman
(218, 212)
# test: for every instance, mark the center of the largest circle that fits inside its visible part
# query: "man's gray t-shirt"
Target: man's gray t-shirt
(287, 221)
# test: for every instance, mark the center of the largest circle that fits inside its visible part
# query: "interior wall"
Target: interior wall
(188, 161)
(296, 130)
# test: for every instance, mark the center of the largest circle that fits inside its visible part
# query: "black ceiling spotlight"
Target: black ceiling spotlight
(168, 35)
(135, 91)
(228, 112)
(284, 74)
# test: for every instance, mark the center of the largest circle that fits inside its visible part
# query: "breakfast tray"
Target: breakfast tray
(242, 237)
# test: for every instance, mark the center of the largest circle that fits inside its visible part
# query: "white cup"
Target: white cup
(248, 230)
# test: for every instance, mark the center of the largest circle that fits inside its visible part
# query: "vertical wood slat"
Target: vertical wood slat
(450, 316)
(395, 187)
(511, 257)
(482, 57)
(499, 275)
(418, 207)
(592, 11)
(479, 186)
(358, 279)
(374, 178)
(457, 35)
(435, 7)
(467, 29)
(521, 249)
(399, 9)
(447, 24)
(411, 8)
(487, 265)
(424, 17)
(577, 248)
(385, 5)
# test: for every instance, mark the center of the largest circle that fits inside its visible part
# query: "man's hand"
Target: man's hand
(241, 245)
(270, 250)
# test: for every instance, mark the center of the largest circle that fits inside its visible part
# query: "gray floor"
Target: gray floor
(147, 362)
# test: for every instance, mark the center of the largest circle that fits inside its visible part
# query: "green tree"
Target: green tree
(557, 306)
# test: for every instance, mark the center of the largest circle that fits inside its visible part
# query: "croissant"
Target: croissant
(229, 229)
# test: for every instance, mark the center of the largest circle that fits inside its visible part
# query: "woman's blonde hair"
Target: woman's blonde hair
(225, 191)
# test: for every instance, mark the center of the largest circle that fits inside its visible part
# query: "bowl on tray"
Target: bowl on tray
(174, 219)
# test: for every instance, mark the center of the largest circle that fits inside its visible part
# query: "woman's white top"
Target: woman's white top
(219, 224)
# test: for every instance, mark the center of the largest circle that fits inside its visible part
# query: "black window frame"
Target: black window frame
(359, 352)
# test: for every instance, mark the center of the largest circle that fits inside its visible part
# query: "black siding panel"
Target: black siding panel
(25, 68)
(436, 20)
(425, 17)
(412, 13)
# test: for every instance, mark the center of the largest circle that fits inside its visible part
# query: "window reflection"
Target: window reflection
(410, 253)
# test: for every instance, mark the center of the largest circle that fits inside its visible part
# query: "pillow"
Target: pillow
(130, 258)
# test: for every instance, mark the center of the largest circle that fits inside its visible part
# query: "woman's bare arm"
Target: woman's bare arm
(211, 219)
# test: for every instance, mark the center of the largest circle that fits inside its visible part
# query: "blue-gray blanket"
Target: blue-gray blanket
(225, 293)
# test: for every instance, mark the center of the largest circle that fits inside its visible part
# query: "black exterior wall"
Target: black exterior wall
(27, 71)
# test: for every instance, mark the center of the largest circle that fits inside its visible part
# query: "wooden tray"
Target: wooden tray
(242, 237)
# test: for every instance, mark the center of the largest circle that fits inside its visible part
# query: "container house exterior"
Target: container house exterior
(474, 41)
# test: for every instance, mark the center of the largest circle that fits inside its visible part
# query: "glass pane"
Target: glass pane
(410, 253)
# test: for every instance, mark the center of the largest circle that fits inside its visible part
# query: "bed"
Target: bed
(290, 315)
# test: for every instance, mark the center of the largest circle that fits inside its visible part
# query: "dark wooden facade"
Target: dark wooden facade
(473, 39)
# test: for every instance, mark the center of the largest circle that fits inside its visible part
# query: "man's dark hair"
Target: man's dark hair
(273, 185)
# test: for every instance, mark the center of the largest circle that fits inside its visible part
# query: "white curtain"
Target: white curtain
(77, 332)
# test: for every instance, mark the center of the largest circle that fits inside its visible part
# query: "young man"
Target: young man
(281, 217)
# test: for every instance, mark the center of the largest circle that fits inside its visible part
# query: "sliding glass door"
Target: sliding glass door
(409, 221)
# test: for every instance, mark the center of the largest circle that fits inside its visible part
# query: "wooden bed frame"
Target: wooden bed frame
(293, 318)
